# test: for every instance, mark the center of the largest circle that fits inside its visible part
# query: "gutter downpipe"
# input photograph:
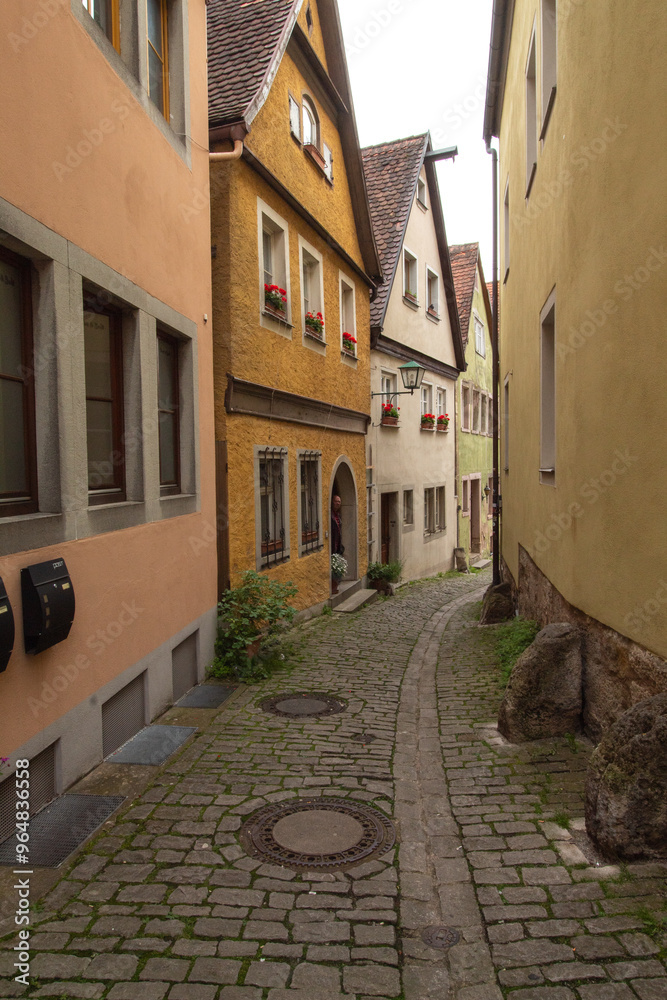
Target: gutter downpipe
(235, 154)
(497, 499)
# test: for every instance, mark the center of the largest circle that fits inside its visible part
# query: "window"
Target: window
(441, 403)
(295, 118)
(104, 405)
(309, 502)
(105, 14)
(506, 425)
(465, 496)
(309, 20)
(421, 192)
(440, 520)
(480, 343)
(465, 407)
(388, 388)
(531, 117)
(408, 507)
(489, 483)
(489, 413)
(549, 61)
(429, 510)
(548, 393)
(273, 516)
(426, 399)
(476, 410)
(158, 66)
(312, 292)
(484, 415)
(168, 414)
(410, 279)
(348, 319)
(506, 229)
(311, 125)
(18, 473)
(432, 292)
(328, 162)
(273, 265)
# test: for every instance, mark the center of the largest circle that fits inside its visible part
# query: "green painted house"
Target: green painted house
(474, 405)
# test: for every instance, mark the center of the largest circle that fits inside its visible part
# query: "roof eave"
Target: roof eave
(501, 29)
(260, 97)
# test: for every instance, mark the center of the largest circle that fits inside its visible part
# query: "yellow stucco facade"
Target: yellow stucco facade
(586, 244)
(280, 185)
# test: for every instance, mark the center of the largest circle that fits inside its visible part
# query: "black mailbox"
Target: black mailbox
(6, 628)
(48, 604)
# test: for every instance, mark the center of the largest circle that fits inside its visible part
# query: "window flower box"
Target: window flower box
(442, 422)
(427, 421)
(411, 297)
(275, 300)
(349, 344)
(389, 415)
(315, 325)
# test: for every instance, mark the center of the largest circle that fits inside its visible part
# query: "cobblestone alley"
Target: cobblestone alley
(167, 901)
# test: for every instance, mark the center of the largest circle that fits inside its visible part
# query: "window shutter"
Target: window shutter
(295, 118)
(328, 161)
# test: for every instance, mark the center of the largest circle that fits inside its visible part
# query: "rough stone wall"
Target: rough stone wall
(618, 672)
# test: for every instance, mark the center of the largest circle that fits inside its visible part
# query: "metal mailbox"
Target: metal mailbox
(48, 604)
(6, 628)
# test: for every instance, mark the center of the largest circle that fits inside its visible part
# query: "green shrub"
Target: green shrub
(512, 638)
(390, 571)
(258, 607)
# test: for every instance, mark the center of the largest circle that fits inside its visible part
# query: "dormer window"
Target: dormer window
(310, 124)
(421, 192)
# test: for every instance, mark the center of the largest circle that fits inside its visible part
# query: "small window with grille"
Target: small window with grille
(310, 521)
(272, 501)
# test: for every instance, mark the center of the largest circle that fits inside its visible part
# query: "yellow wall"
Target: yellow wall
(593, 227)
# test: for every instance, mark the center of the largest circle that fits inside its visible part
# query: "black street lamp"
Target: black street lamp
(412, 375)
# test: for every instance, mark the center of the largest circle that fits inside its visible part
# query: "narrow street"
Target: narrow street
(167, 901)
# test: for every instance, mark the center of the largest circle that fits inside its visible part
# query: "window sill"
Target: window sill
(313, 152)
(433, 316)
(422, 205)
(314, 336)
(410, 301)
(394, 423)
(348, 359)
(275, 315)
(423, 428)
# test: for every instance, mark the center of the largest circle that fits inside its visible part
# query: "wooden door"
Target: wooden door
(475, 515)
(385, 527)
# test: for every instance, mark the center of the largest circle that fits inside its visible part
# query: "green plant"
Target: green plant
(338, 566)
(572, 742)
(254, 610)
(562, 818)
(326, 610)
(391, 571)
(512, 638)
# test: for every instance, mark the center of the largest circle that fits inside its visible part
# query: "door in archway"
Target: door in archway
(344, 486)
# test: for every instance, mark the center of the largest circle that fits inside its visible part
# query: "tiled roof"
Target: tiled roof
(243, 36)
(391, 171)
(464, 257)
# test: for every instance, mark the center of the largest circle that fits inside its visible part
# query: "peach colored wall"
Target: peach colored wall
(124, 204)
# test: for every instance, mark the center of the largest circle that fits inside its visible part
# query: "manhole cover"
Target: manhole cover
(440, 937)
(306, 704)
(363, 738)
(317, 834)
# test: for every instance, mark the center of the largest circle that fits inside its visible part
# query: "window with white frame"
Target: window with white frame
(432, 292)
(549, 61)
(440, 519)
(408, 507)
(295, 118)
(274, 265)
(531, 116)
(465, 496)
(480, 342)
(484, 415)
(410, 276)
(348, 319)
(272, 502)
(465, 407)
(476, 410)
(421, 192)
(489, 414)
(312, 291)
(441, 403)
(426, 399)
(311, 123)
(388, 388)
(429, 510)
(310, 528)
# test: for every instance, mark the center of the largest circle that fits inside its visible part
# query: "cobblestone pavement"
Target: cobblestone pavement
(165, 902)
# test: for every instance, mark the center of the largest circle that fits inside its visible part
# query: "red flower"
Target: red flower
(282, 291)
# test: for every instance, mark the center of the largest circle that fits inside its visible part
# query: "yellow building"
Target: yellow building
(574, 94)
(294, 266)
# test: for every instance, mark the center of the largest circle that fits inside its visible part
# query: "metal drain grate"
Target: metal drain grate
(206, 696)
(440, 937)
(375, 836)
(153, 745)
(303, 705)
(363, 738)
(61, 827)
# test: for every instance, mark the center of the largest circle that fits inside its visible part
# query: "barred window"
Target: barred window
(272, 504)
(309, 502)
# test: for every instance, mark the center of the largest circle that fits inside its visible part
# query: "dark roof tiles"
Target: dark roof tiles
(464, 258)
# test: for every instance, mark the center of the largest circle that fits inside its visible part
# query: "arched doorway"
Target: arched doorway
(343, 484)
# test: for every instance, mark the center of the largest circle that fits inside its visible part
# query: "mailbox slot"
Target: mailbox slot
(48, 604)
(6, 628)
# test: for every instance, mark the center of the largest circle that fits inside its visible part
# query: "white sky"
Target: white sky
(422, 64)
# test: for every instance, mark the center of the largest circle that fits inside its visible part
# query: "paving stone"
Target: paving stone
(425, 982)
(372, 980)
(70, 990)
(171, 969)
(571, 971)
(650, 989)
(530, 975)
(544, 993)
(144, 944)
(552, 928)
(320, 931)
(606, 991)
(637, 969)
(138, 991)
(597, 947)
(388, 956)
(125, 926)
(328, 953)
(214, 970)
(142, 894)
(531, 953)
(368, 934)
(117, 967)
(190, 948)
(267, 974)
(639, 944)
(48, 941)
(93, 944)
(53, 966)
(238, 993)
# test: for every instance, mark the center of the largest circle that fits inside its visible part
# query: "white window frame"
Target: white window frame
(440, 401)
(432, 276)
(548, 392)
(426, 398)
(548, 60)
(440, 508)
(281, 237)
(421, 192)
(411, 265)
(476, 413)
(465, 496)
(484, 413)
(531, 113)
(429, 510)
(347, 287)
(480, 335)
(295, 118)
(316, 263)
(309, 110)
(466, 408)
(315, 457)
(281, 454)
(408, 508)
(388, 381)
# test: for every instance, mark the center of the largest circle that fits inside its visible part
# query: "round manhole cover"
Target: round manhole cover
(363, 738)
(317, 834)
(302, 705)
(440, 937)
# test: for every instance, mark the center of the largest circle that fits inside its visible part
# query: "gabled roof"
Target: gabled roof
(391, 169)
(464, 257)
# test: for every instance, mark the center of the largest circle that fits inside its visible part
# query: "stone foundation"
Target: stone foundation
(618, 672)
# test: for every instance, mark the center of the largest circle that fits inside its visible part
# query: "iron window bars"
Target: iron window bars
(272, 506)
(309, 477)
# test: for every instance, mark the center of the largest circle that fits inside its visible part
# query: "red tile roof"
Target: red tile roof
(391, 170)
(464, 258)
(243, 39)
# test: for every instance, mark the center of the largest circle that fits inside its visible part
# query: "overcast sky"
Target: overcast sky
(422, 64)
